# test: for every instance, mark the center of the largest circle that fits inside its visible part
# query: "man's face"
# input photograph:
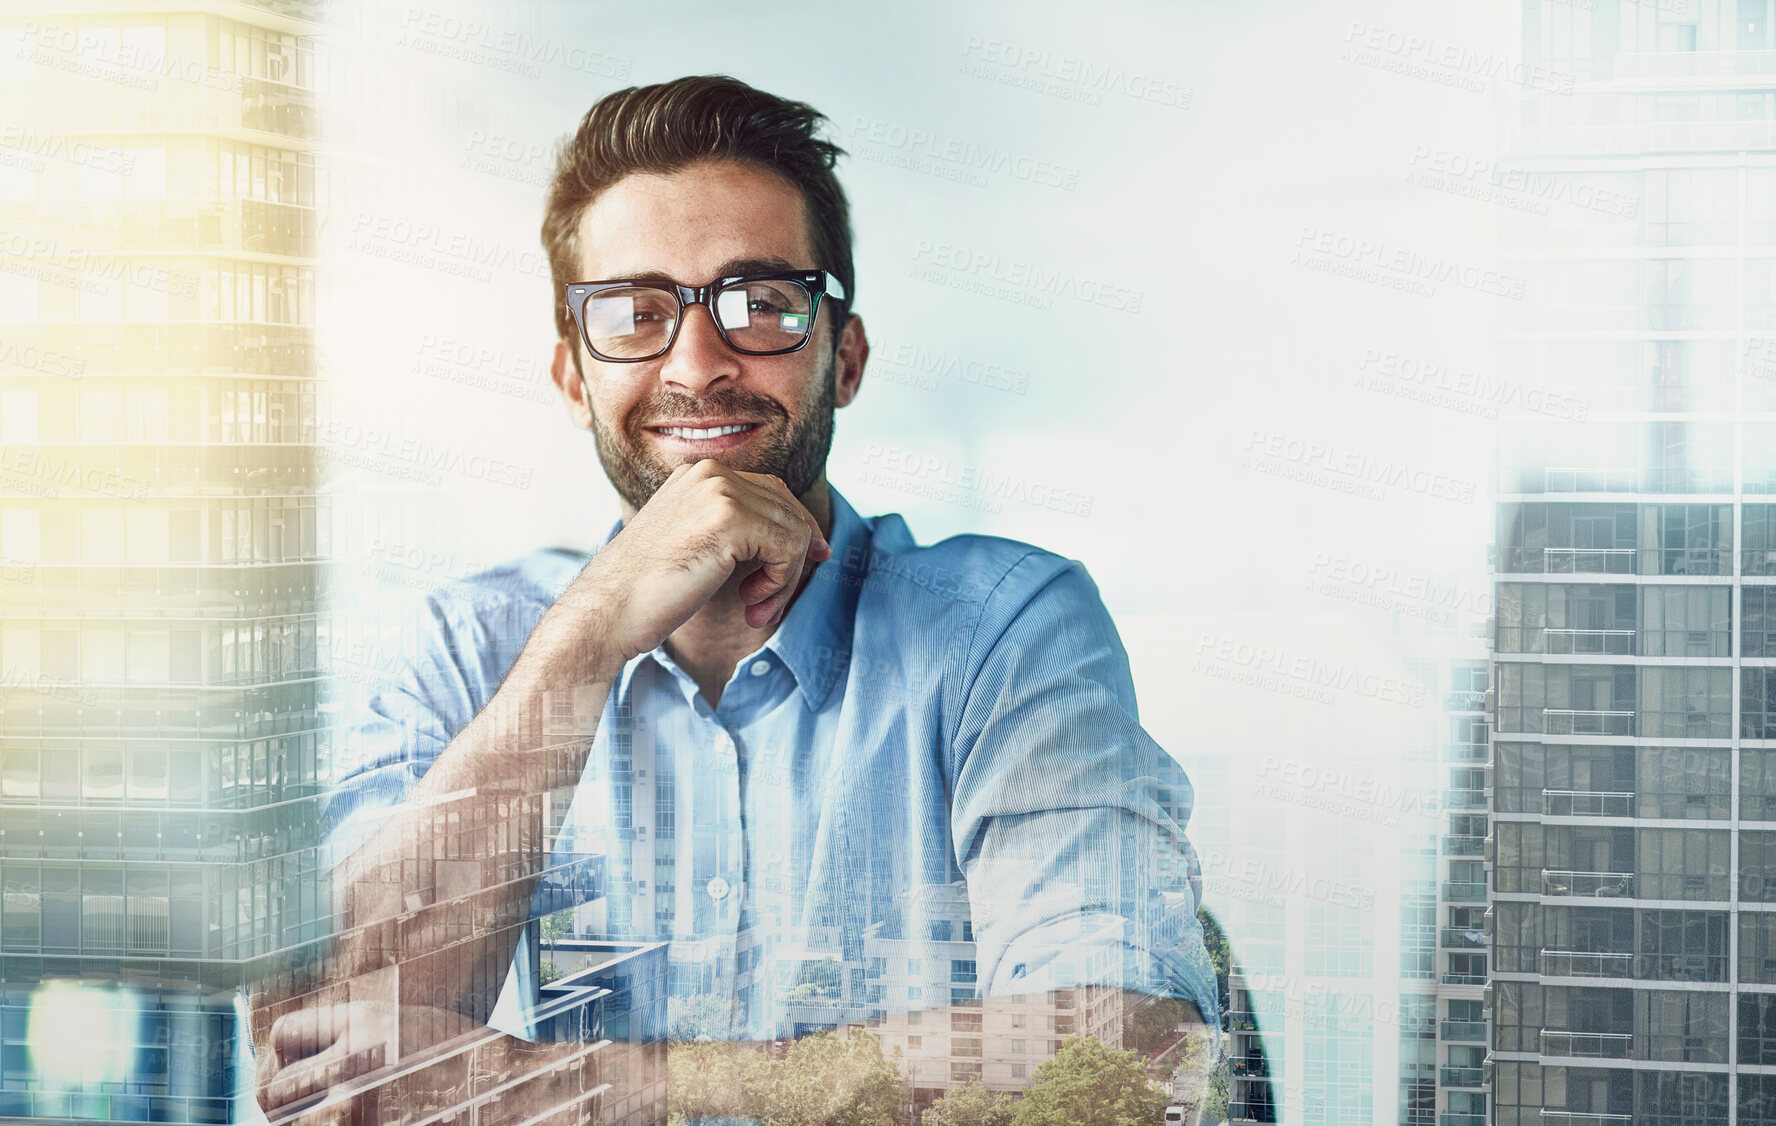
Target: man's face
(712, 219)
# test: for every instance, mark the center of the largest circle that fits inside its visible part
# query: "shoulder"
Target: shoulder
(461, 638)
(529, 582)
(966, 574)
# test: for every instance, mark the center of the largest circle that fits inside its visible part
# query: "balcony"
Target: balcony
(1587, 803)
(156, 225)
(1454, 938)
(1694, 64)
(1458, 1077)
(232, 104)
(1464, 979)
(1586, 963)
(1585, 479)
(1588, 560)
(1651, 136)
(1463, 846)
(313, 11)
(1452, 1118)
(1465, 700)
(1465, 799)
(1595, 885)
(1588, 642)
(177, 347)
(1473, 891)
(1587, 721)
(1252, 1066)
(1583, 1118)
(1463, 1031)
(1588, 1045)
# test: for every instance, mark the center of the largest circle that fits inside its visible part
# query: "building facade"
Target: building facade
(1630, 929)
(163, 740)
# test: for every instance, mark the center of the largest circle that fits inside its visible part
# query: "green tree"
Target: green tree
(554, 928)
(701, 1016)
(1214, 1108)
(1154, 1024)
(827, 1081)
(709, 1079)
(1220, 953)
(1088, 1083)
(558, 926)
(823, 975)
(973, 1105)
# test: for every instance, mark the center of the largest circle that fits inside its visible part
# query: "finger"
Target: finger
(788, 510)
(318, 1074)
(776, 488)
(778, 538)
(767, 591)
(292, 1037)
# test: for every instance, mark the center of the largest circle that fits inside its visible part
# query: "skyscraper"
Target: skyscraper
(162, 739)
(1629, 909)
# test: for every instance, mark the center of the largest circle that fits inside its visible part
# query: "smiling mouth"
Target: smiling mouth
(695, 433)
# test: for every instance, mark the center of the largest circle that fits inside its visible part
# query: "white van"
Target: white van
(1174, 1113)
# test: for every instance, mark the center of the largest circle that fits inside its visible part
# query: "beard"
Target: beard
(795, 449)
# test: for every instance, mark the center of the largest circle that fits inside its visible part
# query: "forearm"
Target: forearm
(443, 886)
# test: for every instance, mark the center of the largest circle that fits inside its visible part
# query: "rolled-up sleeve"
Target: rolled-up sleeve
(1077, 872)
(418, 697)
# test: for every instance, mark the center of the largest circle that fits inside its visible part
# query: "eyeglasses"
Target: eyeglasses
(756, 314)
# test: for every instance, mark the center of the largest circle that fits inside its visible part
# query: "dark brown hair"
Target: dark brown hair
(667, 126)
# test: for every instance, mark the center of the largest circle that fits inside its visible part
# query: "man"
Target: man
(793, 738)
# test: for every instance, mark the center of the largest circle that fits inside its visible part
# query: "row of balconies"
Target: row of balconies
(1616, 561)
(66, 102)
(155, 225)
(60, 350)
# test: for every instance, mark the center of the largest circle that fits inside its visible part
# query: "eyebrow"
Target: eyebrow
(731, 268)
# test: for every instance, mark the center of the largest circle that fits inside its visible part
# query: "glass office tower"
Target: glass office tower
(1632, 886)
(161, 739)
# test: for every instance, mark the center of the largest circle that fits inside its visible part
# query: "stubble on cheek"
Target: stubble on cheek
(794, 450)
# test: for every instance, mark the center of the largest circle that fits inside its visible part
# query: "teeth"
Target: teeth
(695, 433)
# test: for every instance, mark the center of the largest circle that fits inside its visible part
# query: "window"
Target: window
(19, 535)
(1757, 947)
(1682, 946)
(1757, 879)
(1683, 864)
(1681, 1026)
(1757, 1028)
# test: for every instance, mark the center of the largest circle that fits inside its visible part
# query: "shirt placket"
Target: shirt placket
(716, 848)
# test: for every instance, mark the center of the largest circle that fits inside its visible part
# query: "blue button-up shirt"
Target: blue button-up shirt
(934, 761)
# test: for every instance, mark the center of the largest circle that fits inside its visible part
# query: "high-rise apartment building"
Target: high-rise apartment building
(161, 740)
(1630, 913)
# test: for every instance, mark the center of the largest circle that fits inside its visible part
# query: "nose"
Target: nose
(699, 357)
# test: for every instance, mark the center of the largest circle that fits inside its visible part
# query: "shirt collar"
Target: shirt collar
(813, 640)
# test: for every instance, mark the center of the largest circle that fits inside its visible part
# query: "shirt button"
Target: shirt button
(759, 667)
(724, 745)
(717, 888)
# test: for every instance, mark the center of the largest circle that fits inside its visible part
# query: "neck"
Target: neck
(712, 641)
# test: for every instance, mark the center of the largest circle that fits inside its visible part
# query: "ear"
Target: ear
(565, 371)
(853, 352)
